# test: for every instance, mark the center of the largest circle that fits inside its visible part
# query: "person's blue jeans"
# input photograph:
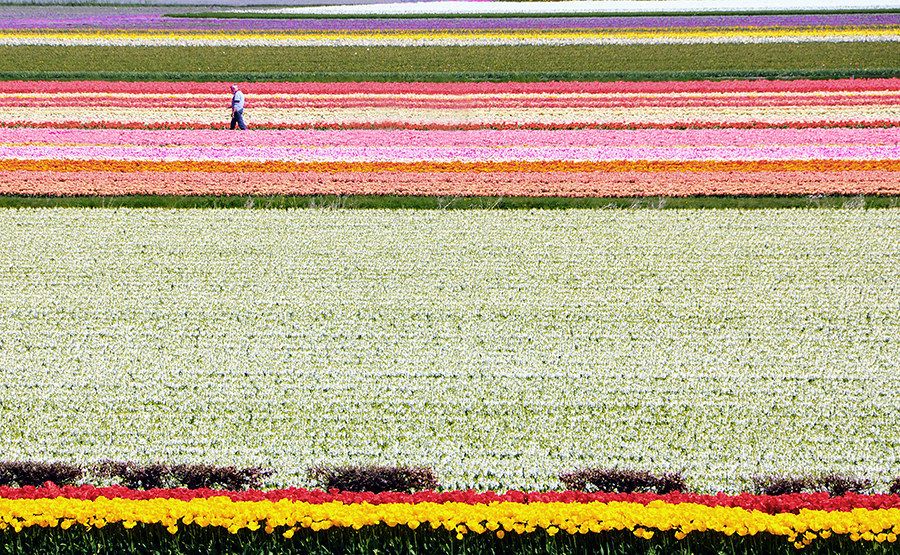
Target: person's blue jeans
(237, 118)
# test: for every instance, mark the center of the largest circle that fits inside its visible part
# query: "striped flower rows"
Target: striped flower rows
(736, 104)
(769, 504)
(459, 518)
(152, 27)
(737, 35)
(553, 139)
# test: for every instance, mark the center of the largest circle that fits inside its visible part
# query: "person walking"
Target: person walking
(237, 108)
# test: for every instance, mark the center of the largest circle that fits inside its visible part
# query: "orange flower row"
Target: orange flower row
(451, 167)
(532, 184)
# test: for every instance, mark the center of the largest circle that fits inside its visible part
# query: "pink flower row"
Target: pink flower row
(568, 184)
(774, 137)
(862, 121)
(457, 102)
(798, 86)
(270, 153)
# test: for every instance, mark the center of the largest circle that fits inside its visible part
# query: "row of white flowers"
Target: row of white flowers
(498, 347)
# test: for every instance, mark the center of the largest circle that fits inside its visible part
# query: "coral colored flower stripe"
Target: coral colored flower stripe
(458, 518)
(662, 87)
(765, 503)
(451, 167)
(535, 184)
(482, 138)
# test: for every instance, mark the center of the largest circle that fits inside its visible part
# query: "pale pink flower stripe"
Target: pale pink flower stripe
(420, 118)
(799, 86)
(475, 138)
(270, 153)
(613, 184)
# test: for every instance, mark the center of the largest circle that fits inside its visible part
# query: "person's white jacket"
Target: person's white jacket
(237, 101)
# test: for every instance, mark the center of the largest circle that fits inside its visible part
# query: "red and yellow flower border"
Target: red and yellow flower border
(800, 519)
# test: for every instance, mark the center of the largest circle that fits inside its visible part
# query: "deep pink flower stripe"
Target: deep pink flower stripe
(453, 88)
(461, 102)
(488, 125)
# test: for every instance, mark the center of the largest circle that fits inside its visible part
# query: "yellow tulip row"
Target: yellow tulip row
(286, 517)
(888, 32)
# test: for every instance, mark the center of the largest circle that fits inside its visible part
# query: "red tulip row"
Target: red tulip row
(791, 503)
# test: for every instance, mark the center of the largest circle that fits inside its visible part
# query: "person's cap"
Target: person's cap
(234, 88)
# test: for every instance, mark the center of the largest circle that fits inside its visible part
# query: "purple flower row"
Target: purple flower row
(120, 18)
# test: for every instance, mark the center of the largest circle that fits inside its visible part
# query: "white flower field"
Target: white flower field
(499, 347)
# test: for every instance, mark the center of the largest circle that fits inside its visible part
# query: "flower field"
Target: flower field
(162, 44)
(557, 139)
(450, 381)
(460, 513)
(499, 348)
(540, 521)
(90, 26)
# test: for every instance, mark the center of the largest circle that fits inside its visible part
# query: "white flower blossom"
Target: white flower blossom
(499, 347)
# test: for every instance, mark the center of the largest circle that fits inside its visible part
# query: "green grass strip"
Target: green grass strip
(262, 15)
(435, 77)
(450, 203)
(464, 63)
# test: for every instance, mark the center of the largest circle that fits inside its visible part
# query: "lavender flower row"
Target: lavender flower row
(13, 18)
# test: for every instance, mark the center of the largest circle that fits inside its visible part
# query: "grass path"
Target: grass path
(450, 203)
